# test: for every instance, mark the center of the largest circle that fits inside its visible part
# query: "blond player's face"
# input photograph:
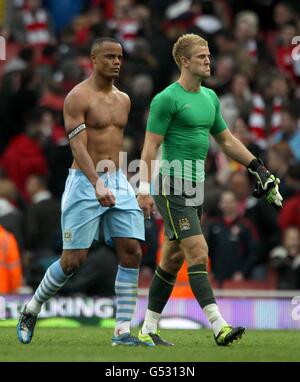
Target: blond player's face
(198, 62)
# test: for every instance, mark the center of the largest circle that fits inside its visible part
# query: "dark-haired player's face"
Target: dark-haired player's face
(107, 59)
(198, 63)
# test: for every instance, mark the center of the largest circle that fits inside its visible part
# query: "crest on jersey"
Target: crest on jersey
(184, 224)
(67, 235)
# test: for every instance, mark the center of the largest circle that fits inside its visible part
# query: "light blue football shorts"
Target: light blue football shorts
(82, 213)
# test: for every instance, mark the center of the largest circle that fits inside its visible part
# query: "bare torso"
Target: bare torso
(105, 119)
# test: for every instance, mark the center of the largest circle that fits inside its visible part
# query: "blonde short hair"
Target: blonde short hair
(250, 18)
(182, 47)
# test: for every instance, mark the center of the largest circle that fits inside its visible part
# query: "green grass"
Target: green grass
(93, 344)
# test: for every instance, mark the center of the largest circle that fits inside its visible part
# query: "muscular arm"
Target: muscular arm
(267, 183)
(151, 145)
(75, 107)
(232, 147)
(160, 115)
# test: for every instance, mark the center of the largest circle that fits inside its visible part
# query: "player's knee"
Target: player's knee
(197, 253)
(195, 247)
(131, 255)
(71, 261)
(173, 263)
(202, 258)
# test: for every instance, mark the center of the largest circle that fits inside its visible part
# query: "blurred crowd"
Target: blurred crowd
(255, 72)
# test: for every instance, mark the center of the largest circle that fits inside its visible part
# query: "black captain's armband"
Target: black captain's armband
(76, 131)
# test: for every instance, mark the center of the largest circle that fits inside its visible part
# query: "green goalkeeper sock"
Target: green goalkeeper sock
(160, 290)
(159, 293)
(200, 285)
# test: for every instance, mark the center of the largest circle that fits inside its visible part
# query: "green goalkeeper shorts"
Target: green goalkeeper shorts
(181, 218)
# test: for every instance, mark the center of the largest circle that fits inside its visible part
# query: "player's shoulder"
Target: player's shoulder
(209, 91)
(169, 90)
(167, 94)
(79, 93)
(211, 94)
(121, 94)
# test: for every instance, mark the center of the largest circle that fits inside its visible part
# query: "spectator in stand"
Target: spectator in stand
(141, 59)
(241, 132)
(220, 80)
(125, 24)
(290, 130)
(290, 213)
(19, 95)
(227, 166)
(42, 208)
(246, 34)
(238, 101)
(285, 259)
(279, 159)
(283, 13)
(42, 240)
(53, 96)
(63, 12)
(283, 53)
(226, 43)
(46, 63)
(32, 24)
(98, 23)
(24, 154)
(10, 263)
(24, 60)
(239, 184)
(265, 117)
(233, 242)
(141, 88)
(260, 213)
(10, 217)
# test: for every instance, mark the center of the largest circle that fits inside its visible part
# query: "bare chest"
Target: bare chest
(107, 111)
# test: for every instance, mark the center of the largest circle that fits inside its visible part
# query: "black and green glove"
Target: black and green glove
(266, 183)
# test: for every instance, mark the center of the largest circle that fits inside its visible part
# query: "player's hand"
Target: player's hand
(273, 196)
(263, 176)
(146, 203)
(105, 197)
(266, 184)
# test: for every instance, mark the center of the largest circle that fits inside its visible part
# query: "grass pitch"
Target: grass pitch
(94, 344)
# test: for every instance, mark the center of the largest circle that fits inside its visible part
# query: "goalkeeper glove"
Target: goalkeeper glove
(267, 184)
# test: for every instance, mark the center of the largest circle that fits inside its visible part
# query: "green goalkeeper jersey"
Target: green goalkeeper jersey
(185, 120)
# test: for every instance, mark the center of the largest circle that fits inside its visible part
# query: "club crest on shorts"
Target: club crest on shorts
(67, 235)
(184, 224)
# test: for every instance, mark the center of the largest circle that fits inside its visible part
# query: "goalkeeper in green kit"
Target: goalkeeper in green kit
(181, 119)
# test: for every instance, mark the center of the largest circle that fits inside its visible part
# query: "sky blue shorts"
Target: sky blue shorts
(82, 213)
